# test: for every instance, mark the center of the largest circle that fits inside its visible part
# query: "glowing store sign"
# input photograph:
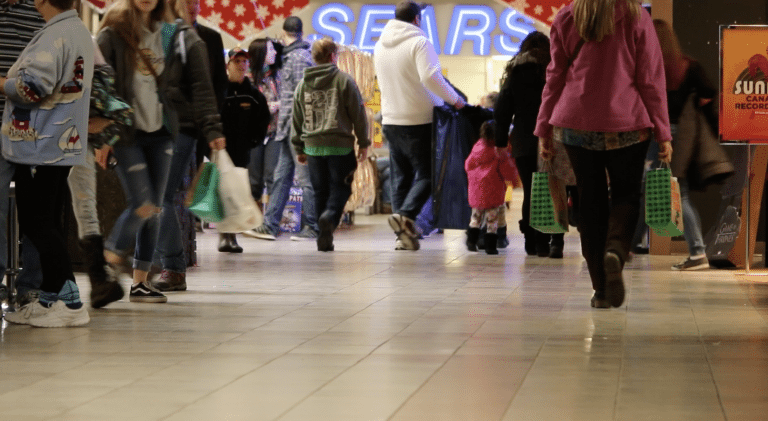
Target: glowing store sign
(473, 23)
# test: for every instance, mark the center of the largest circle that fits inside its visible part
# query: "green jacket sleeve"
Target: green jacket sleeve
(297, 119)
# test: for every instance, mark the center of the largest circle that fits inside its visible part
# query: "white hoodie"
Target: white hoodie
(409, 75)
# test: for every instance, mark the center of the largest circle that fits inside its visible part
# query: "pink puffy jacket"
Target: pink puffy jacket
(486, 173)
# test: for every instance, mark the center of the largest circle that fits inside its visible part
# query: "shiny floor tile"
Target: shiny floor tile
(283, 332)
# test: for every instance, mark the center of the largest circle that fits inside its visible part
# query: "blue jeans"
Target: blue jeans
(281, 186)
(169, 250)
(332, 180)
(261, 168)
(410, 154)
(143, 170)
(691, 222)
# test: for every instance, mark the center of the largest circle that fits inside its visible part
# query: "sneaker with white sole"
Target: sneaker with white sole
(55, 315)
(306, 234)
(261, 232)
(145, 293)
(405, 231)
(692, 264)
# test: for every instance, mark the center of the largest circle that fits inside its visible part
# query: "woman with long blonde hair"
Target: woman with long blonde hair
(604, 99)
(157, 67)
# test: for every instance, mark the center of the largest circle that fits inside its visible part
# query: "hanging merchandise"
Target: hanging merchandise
(359, 65)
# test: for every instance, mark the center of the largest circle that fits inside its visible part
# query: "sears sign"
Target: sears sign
(470, 26)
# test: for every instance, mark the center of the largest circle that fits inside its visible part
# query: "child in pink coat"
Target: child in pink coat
(487, 170)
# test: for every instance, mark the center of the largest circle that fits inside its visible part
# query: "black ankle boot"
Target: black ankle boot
(228, 244)
(490, 243)
(530, 238)
(542, 244)
(105, 287)
(233, 242)
(556, 246)
(502, 241)
(473, 234)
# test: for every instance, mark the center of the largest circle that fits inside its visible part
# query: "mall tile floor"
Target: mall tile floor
(283, 332)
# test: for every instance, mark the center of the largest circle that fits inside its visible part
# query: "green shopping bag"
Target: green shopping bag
(203, 196)
(663, 209)
(549, 204)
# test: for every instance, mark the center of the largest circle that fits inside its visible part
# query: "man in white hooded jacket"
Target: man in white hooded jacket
(411, 84)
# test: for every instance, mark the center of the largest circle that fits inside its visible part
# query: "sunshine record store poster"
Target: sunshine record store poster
(744, 83)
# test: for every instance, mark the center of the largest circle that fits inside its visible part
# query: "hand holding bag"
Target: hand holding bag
(203, 195)
(240, 210)
(549, 203)
(663, 208)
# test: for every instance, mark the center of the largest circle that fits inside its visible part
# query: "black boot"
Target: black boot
(473, 234)
(490, 243)
(502, 241)
(556, 246)
(530, 238)
(542, 244)
(105, 287)
(228, 244)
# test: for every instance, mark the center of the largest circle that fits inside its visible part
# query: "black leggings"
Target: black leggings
(39, 197)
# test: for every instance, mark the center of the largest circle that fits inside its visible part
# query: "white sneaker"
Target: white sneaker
(57, 315)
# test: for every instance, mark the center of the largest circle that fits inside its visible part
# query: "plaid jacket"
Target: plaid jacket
(296, 58)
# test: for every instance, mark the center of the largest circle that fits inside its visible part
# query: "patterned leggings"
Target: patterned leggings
(494, 218)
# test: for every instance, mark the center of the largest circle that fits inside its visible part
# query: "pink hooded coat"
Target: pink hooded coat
(486, 173)
(616, 85)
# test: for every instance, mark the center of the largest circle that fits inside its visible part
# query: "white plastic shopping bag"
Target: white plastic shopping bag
(240, 210)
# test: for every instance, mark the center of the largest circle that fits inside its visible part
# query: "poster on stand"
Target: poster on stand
(744, 83)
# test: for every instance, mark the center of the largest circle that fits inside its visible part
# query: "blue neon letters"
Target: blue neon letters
(470, 24)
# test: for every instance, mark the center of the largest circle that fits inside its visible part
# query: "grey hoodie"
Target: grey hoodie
(327, 109)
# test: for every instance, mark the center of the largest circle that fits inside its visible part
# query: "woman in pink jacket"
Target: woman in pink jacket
(487, 171)
(605, 98)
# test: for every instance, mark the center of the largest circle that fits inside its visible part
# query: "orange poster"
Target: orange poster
(744, 83)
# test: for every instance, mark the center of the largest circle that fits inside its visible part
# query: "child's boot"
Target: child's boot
(490, 243)
(472, 236)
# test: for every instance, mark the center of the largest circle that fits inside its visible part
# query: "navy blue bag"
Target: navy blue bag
(452, 138)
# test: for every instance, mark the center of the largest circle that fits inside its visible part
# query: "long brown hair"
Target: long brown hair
(126, 21)
(178, 9)
(675, 61)
(595, 19)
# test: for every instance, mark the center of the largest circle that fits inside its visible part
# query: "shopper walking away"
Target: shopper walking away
(328, 114)
(487, 173)
(601, 133)
(519, 100)
(411, 84)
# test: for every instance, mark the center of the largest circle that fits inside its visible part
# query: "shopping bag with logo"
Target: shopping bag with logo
(549, 203)
(240, 210)
(203, 195)
(663, 209)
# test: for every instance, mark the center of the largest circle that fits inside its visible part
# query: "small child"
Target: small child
(487, 170)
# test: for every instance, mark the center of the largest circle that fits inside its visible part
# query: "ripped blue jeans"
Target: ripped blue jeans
(143, 170)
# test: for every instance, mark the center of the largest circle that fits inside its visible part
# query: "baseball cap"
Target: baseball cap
(293, 25)
(237, 51)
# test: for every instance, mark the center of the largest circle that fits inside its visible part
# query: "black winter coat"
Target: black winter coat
(519, 101)
(246, 118)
